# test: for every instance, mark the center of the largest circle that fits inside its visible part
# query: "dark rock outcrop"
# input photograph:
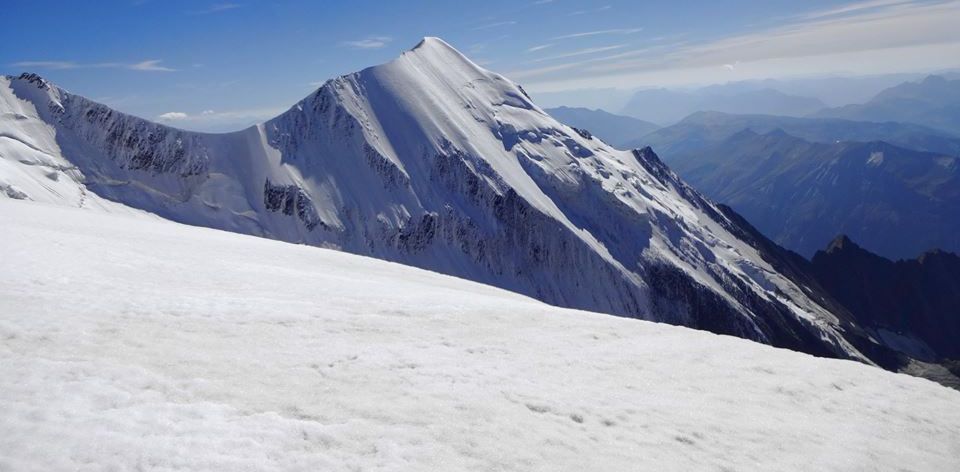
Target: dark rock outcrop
(917, 298)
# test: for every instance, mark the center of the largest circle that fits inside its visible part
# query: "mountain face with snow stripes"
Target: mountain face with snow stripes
(432, 161)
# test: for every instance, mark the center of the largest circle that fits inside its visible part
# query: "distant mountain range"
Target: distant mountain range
(665, 107)
(803, 180)
(835, 91)
(704, 129)
(933, 102)
(914, 304)
(616, 130)
(897, 202)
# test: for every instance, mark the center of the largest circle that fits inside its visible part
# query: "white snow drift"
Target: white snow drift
(131, 343)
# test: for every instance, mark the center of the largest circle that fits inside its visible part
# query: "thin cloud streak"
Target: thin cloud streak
(150, 65)
(522, 74)
(216, 8)
(595, 33)
(584, 12)
(373, 42)
(494, 25)
(539, 48)
(52, 65)
(581, 52)
(853, 8)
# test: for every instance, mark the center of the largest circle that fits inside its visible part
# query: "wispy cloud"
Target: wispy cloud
(150, 65)
(173, 116)
(594, 10)
(581, 52)
(851, 8)
(215, 8)
(373, 42)
(583, 63)
(52, 65)
(598, 32)
(539, 48)
(207, 117)
(494, 25)
(482, 46)
(866, 37)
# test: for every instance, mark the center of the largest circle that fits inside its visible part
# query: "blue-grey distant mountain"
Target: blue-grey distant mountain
(836, 91)
(593, 98)
(896, 202)
(703, 129)
(666, 107)
(912, 304)
(615, 130)
(933, 102)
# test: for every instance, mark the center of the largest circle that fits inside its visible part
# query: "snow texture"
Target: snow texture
(131, 343)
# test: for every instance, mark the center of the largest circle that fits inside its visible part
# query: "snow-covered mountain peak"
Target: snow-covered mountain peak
(437, 65)
(433, 161)
(34, 88)
(439, 52)
(435, 43)
(32, 78)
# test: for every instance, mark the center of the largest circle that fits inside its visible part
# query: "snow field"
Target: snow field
(131, 343)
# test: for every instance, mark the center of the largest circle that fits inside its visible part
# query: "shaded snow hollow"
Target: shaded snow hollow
(133, 343)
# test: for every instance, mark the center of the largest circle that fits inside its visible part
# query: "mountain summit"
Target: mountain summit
(432, 161)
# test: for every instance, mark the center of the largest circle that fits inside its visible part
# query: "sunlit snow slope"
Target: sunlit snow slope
(432, 161)
(139, 344)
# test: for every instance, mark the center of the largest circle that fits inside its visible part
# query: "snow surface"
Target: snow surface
(131, 343)
(432, 161)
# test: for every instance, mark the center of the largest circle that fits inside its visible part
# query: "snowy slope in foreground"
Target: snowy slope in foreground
(136, 343)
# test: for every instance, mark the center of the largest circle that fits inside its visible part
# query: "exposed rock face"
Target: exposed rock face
(289, 200)
(917, 298)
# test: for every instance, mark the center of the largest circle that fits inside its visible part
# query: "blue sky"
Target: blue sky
(217, 64)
